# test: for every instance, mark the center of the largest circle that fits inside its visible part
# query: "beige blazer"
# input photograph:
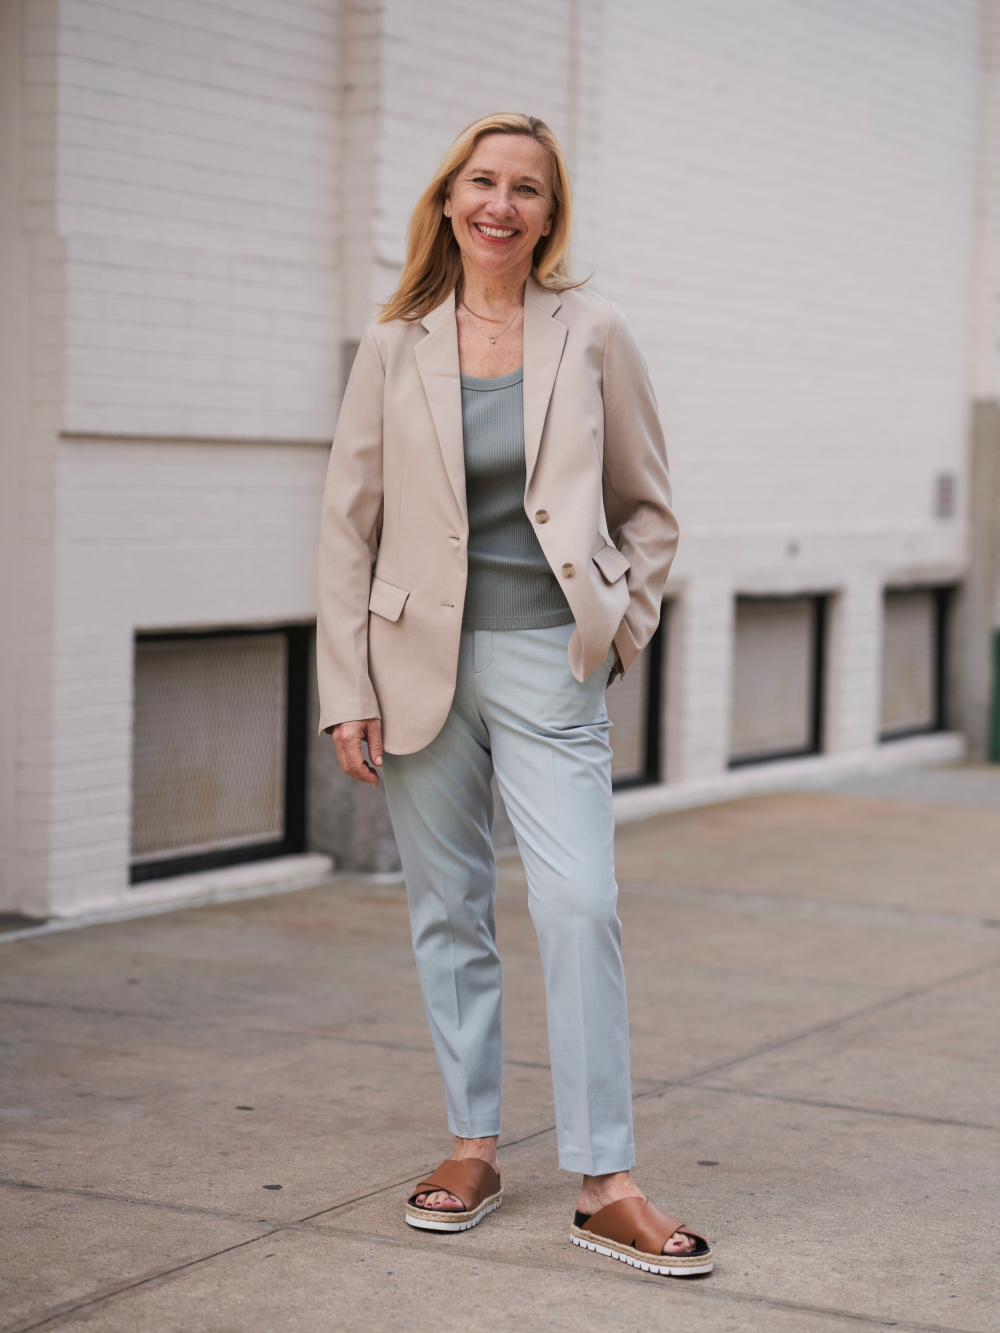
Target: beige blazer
(394, 536)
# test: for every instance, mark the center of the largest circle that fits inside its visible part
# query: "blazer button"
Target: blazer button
(541, 516)
(568, 571)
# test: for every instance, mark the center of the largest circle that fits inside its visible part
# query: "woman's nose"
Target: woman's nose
(502, 202)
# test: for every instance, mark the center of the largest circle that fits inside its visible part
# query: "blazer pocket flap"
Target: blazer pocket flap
(612, 564)
(386, 600)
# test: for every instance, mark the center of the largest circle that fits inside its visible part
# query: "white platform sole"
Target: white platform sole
(689, 1270)
(429, 1221)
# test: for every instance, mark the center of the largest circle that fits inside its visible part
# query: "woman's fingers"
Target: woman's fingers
(348, 737)
(375, 741)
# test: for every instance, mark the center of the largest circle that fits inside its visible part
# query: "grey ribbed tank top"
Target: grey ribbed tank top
(510, 583)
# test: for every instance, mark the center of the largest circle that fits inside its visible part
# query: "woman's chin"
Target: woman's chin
(495, 259)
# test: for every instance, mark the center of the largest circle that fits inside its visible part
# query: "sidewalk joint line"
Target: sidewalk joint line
(844, 1106)
(876, 1006)
(317, 1034)
(698, 1291)
(121, 1288)
(807, 906)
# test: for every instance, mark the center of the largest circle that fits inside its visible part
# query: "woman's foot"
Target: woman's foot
(598, 1191)
(484, 1149)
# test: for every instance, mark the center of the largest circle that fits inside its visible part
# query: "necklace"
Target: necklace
(492, 337)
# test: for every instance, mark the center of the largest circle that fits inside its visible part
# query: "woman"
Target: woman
(496, 539)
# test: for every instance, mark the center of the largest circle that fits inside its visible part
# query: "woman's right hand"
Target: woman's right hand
(347, 737)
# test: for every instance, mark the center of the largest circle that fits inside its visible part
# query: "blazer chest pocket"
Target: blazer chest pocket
(612, 564)
(386, 600)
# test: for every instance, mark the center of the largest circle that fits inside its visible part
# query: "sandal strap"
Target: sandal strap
(471, 1181)
(637, 1223)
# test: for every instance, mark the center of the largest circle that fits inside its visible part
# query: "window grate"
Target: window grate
(218, 760)
(913, 675)
(778, 678)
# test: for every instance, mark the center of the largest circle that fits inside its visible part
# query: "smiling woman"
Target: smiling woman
(434, 253)
(496, 538)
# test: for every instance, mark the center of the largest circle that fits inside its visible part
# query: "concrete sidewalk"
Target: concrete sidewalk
(210, 1117)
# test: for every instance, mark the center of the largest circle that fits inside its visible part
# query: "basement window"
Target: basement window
(636, 713)
(778, 678)
(913, 652)
(218, 749)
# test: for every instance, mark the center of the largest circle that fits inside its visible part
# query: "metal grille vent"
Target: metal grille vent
(911, 646)
(210, 756)
(777, 678)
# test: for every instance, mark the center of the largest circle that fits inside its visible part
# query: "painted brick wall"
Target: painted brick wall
(787, 223)
(198, 151)
(154, 536)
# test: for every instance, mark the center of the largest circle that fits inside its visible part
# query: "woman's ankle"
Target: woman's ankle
(484, 1149)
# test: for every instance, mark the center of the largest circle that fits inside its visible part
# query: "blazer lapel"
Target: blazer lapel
(437, 365)
(544, 339)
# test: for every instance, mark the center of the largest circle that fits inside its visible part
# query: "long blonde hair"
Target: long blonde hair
(433, 263)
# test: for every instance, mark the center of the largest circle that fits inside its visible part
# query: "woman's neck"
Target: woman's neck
(493, 294)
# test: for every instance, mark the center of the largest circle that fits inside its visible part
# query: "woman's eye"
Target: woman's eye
(527, 189)
(481, 180)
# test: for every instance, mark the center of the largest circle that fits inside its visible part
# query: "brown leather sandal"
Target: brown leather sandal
(473, 1182)
(635, 1231)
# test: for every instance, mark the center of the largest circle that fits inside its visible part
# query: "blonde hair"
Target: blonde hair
(433, 262)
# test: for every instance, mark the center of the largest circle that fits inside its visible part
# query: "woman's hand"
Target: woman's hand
(347, 737)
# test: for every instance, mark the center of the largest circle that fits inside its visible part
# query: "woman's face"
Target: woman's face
(501, 204)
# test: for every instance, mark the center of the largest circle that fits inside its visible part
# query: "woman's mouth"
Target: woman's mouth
(495, 233)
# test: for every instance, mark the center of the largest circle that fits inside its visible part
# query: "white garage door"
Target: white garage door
(774, 678)
(909, 662)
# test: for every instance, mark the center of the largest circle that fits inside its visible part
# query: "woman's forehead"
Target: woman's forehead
(513, 154)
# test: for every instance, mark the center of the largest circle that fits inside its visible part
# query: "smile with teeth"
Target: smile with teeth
(495, 233)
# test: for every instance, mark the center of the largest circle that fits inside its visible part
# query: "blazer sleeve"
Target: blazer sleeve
(637, 493)
(349, 532)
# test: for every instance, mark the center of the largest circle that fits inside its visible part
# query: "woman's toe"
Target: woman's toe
(678, 1243)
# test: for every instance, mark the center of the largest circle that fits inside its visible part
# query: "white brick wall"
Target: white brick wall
(198, 152)
(788, 194)
(155, 535)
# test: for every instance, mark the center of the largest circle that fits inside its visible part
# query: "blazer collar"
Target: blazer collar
(437, 365)
(544, 339)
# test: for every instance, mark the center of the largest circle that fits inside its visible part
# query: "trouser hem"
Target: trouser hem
(486, 1129)
(602, 1165)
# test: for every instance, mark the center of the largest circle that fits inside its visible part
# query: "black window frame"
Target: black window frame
(293, 841)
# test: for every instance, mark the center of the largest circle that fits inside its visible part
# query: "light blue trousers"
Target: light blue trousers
(519, 711)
